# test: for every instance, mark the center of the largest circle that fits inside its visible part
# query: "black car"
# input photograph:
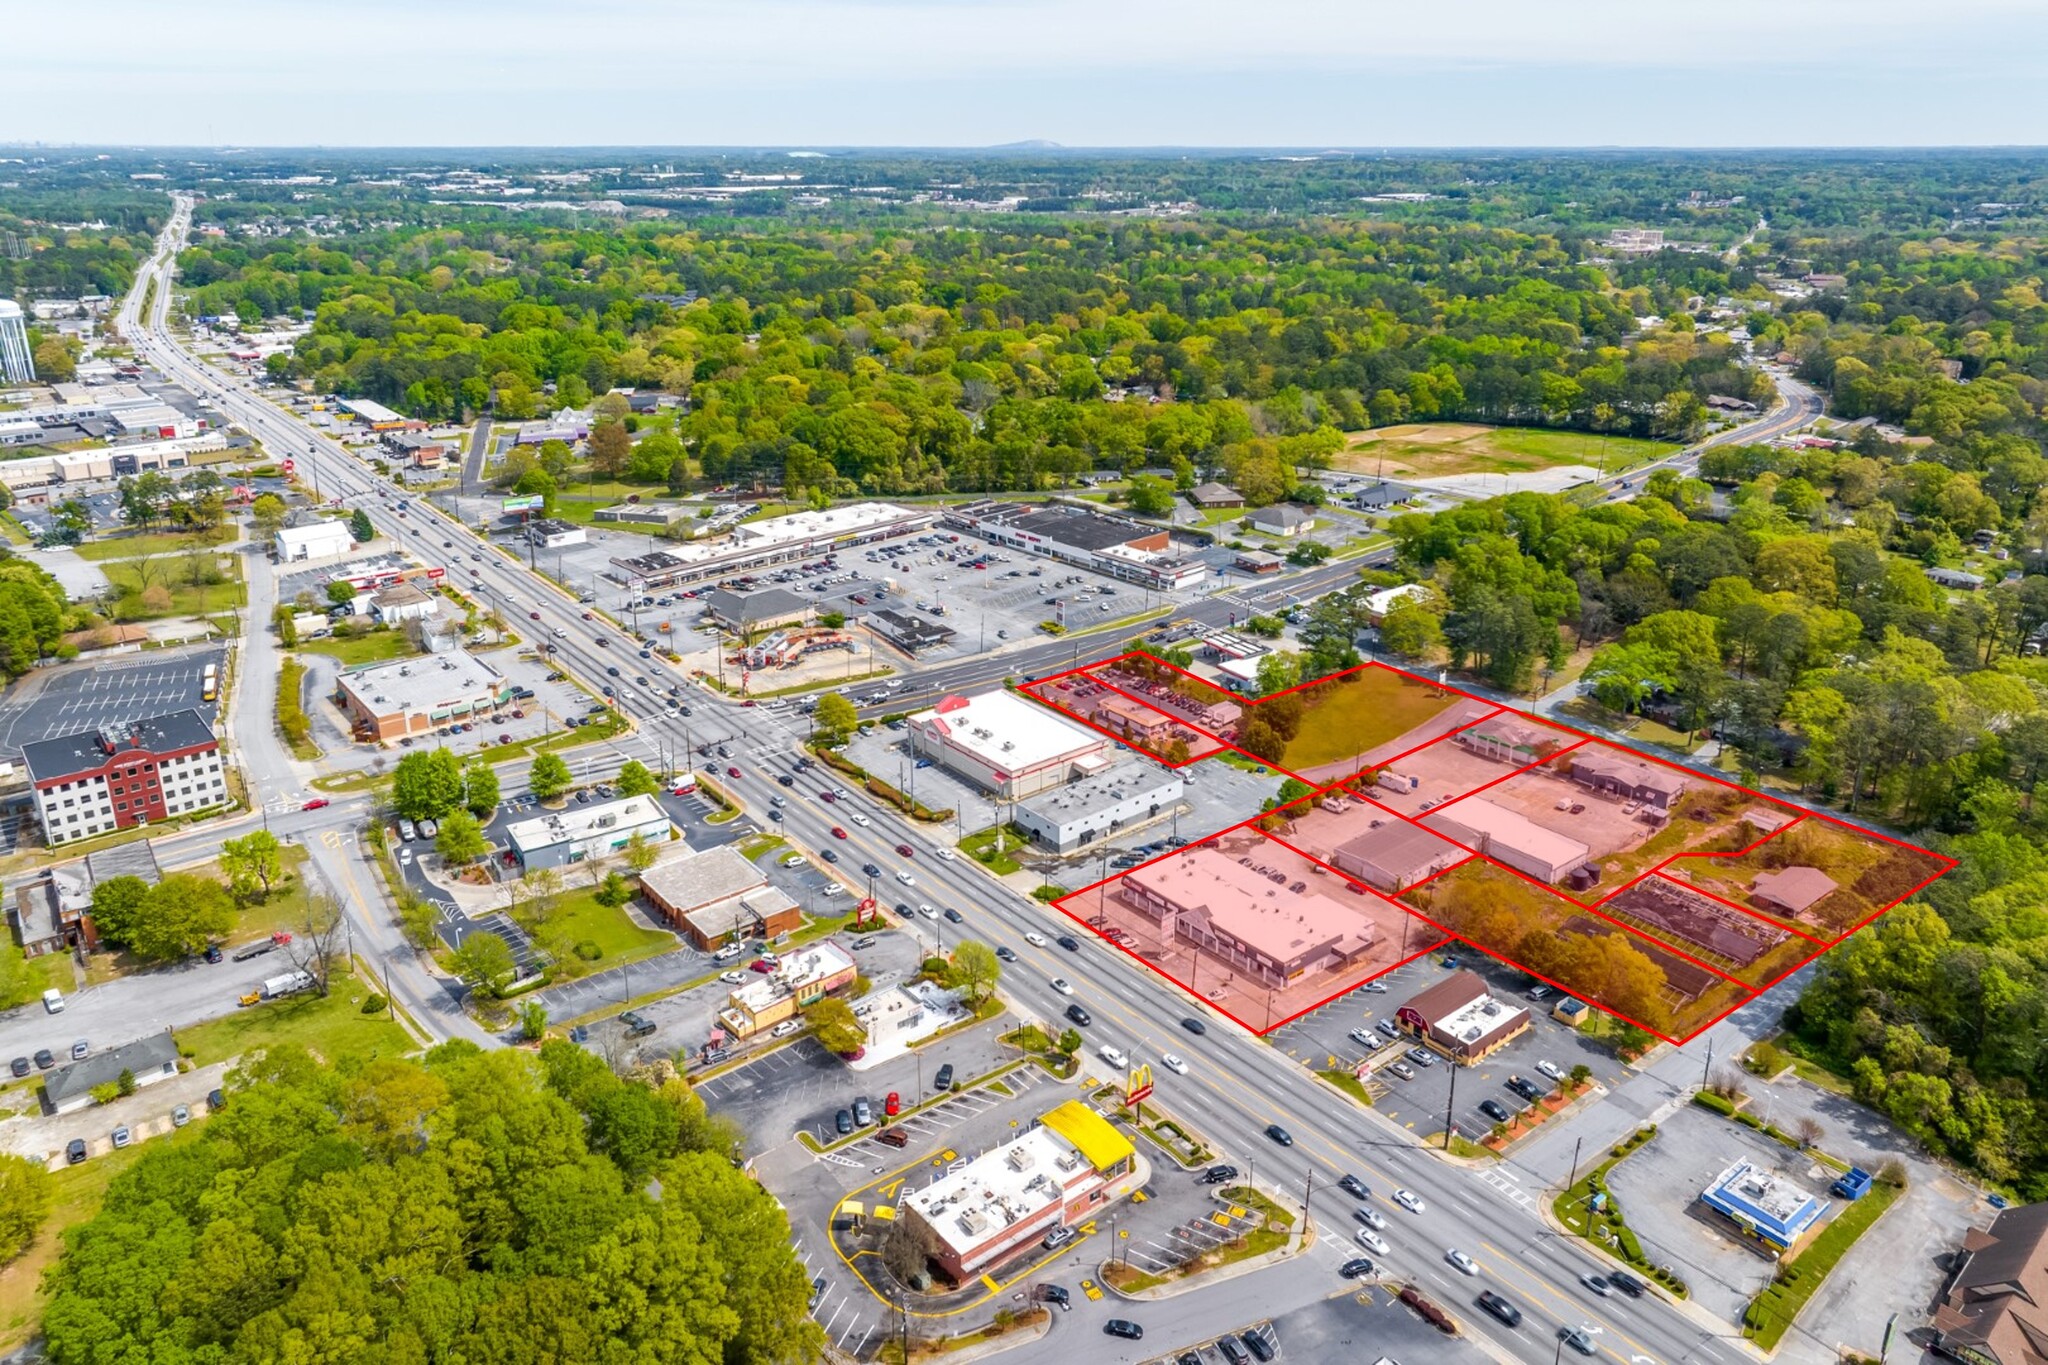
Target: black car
(1080, 1016)
(1526, 1089)
(44, 1059)
(786, 780)
(1057, 1293)
(1626, 1283)
(216, 1101)
(1262, 1342)
(817, 1291)
(19, 1066)
(843, 1121)
(828, 855)
(1355, 1187)
(1495, 1110)
(1194, 1025)
(1500, 1308)
(1122, 1327)
(1232, 1352)
(1067, 941)
(74, 1151)
(953, 915)
(944, 1080)
(1187, 1358)
(871, 869)
(1217, 1175)
(1279, 1135)
(212, 953)
(1005, 954)
(1357, 1268)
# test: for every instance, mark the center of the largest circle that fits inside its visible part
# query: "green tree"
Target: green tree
(837, 1028)
(253, 864)
(460, 840)
(977, 968)
(360, 528)
(17, 982)
(1151, 496)
(836, 715)
(267, 512)
(529, 1221)
(1068, 1043)
(1412, 631)
(340, 592)
(549, 776)
(635, 780)
(181, 914)
(426, 785)
(533, 1021)
(484, 962)
(614, 890)
(24, 1201)
(117, 905)
(640, 855)
(480, 788)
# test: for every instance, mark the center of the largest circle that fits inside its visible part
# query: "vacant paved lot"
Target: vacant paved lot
(86, 696)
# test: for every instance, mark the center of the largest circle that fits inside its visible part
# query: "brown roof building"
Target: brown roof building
(1792, 891)
(1994, 1309)
(1462, 1019)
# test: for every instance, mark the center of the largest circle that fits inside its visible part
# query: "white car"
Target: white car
(1172, 1062)
(404, 856)
(785, 1028)
(948, 854)
(906, 879)
(842, 793)
(1062, 985)
(1113, 1056)
(1408, 1200)
(1035, 940)
(1550, 1069)
(927, 911)
(860, 819)
(1371, 1216)
(670, 712)
(1462, 1261)
(1371, 1241)
(733, 978)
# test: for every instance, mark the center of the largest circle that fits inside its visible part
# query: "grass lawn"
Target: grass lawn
(134, 545)
(377, 646)
(186, 598)
(1773, 1312)
(1436, 449)
(981, 846)
(577, 918)
(1349, 1084)
(1362, 712)
(331, 1026)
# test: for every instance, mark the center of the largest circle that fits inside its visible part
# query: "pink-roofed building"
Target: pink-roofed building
(1235, 912)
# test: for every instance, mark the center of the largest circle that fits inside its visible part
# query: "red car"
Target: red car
(588, 617)
(761, 965)
(893, 1105)
(906, 850)
(732, 772)
(827, 796)
(748, 702)
(534, 615)
(838, 833)
(317, 803)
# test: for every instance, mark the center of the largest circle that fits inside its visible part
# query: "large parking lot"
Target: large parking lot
(1321, 1041)
(86, 696)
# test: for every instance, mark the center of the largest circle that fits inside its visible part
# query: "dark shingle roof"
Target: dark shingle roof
(142, 1055)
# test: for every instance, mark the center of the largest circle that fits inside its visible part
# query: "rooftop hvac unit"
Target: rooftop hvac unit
(1069, 1161)
(1490, 1008)
(1471, 1035)
(1019, 1159)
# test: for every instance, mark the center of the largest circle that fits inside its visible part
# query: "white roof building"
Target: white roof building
(1509, 838)
(1378, 604)
(1008, 745)
(582, 832)
(317, 540)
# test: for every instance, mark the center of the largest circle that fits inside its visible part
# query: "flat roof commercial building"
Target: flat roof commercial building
(1077, 814)
(778, 540)
(416, 696)
(552, 533)
(1462, 1019)
(1396, 855)
(1765, 1207)
(560, 838)
(1509, 838)
(1236, 912)
(716, 896)
(1005, 744)
(799, 981)
(1066, 1170)
(1115, 547)
(98, 781)
(314, 540)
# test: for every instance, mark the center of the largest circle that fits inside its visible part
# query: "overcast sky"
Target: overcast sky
(1303, 73)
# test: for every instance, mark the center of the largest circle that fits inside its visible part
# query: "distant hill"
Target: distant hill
(1029, 144)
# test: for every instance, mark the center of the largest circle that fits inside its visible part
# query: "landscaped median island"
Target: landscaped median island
(1589, 1209)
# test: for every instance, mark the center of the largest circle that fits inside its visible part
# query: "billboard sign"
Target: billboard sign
(531, 502)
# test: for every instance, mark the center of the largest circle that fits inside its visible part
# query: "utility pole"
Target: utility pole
(1576, 1146)
(1450, 1104)
(1307, 1213)
(1707, 1070)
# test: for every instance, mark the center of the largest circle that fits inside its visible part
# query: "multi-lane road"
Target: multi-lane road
(1238, 1084)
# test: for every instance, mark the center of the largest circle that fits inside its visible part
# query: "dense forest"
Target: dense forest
(895, 361)
(473, 1206)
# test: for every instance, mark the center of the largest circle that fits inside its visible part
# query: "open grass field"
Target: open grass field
(331, 1026)
(377, 646)
(578, 918)
(1357, 714)
(134, 545)
(1426, 450)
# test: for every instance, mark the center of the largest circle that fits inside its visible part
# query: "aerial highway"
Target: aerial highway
(1237, 1085)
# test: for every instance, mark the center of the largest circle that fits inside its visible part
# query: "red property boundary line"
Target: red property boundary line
(1079, 719)
(1062, 906)
(1799, 814)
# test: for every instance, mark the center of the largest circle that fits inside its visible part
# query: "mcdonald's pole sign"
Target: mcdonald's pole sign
(1140, 1086)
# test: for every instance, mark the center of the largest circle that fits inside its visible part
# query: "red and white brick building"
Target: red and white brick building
(98, 781)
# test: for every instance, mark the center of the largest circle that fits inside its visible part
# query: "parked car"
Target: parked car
(843, 1121)
(74, 1151)
(1058, 1238)
(863, 1112)
(1217, 1175)
(1495, 1110)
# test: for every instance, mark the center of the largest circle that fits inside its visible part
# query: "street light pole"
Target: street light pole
(1450, 1104)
